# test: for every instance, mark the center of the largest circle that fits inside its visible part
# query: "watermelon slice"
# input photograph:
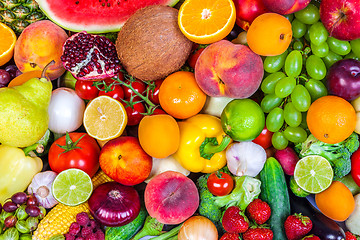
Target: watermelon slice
(94, 16)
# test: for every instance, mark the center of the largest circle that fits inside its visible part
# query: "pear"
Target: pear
(23, 111)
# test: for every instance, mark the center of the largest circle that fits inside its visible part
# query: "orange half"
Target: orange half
(206, 21)
(7, 43)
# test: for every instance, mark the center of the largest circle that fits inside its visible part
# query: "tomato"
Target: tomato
(135, 113)
(138, 85)
(75, 150)
(264, 139)
(154, 93)
(194, 57)
(85, 89)
(355, 166)
(115, 91)
(158, 111)
(220, 183)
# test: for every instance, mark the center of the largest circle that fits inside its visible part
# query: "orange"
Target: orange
(105, 118)
(336, 202)
(24, 77)
(269, 34)
(159, 135)
(206, 21)
(7, 43)
(331, 119)
(180, 95)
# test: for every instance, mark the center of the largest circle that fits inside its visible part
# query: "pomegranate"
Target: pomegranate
(90, 57)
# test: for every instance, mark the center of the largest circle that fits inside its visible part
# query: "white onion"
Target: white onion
(66, 110)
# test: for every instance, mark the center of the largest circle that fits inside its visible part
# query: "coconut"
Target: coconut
(150, 45)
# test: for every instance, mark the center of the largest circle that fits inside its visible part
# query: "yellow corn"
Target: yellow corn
(59, 219)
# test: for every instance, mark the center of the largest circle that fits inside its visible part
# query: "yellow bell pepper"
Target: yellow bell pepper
(202, 144)
(16, 171)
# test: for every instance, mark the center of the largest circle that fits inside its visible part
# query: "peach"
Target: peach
(37, 45)
(171, 197)
(285, 7)
(225, 69)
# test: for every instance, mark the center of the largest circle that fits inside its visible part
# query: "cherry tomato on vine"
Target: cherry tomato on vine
(264, 139)
(138, 85)
(158, 111)
(220, 183)
(115, 91)
(194, 57)
(355, 166)
(78, 150)
(154, 93)
(85, 89)
(135, 113)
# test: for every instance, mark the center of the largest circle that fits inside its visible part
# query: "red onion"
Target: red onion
(114, 204)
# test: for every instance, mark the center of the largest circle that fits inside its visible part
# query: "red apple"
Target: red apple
(225, 69)
(285, 7)
(341, 18)
(247, 11)
(123, 160)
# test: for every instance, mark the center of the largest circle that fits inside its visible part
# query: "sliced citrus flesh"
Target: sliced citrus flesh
(7, 43)
(313, 173)
(206, 21)
(105, 118)
(72, 187)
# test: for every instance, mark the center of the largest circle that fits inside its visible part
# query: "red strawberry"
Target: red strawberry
(259, 211)
(230, 236)
(349, 236)
(234, 220)
(297, 226)
(258, 233)
(311, 237)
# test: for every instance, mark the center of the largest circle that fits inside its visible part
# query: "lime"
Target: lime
(72, 187)
(242, 119)
(313, 173)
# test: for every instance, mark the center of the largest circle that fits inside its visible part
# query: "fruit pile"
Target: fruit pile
(180, 119)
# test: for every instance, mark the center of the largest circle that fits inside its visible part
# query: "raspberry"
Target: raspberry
(86, 231)
(68, 236)
(93, 224)
(82, 218)
(80, 238)
(74, 228)
(91, 236)
(100, 235)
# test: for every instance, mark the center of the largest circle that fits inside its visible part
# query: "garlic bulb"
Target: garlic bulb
(40, 186)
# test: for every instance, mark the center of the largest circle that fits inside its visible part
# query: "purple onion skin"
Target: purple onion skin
(19, 198)
(114, 204)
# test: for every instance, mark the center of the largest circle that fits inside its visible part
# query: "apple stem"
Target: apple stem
(45, 68)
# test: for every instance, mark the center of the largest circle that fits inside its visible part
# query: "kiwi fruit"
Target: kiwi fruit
(150, 45)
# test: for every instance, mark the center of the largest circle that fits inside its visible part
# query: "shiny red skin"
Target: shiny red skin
(194, 57)
(134, 113)
(154, 94)
(343, 79)
(341, 18)
(285, 7)
(123, 160)
(220, 183)
(138, 85)
(264, 139)
(117, 91)
(86, 157)
(247, 11)
(85, 89)
(355, 166)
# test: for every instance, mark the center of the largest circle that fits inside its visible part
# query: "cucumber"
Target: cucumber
(127, 231)
(274, 191)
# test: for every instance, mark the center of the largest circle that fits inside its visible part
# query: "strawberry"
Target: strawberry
(259, 211)
(349, 236)
(311, 237)
(258, 233)
(297, 226)
(234, 220)
(230, 236)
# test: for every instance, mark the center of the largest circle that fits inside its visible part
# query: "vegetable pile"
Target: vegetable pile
(234, 120)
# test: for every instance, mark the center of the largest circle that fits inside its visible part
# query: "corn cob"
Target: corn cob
(59, 219)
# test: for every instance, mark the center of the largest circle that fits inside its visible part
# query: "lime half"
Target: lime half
(313, 173)
(72, 187)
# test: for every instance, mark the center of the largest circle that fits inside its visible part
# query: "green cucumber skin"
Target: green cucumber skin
(274, 191)
(127, 231)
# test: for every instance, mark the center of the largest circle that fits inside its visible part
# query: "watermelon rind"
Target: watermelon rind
(91, 16)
